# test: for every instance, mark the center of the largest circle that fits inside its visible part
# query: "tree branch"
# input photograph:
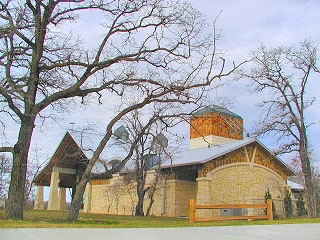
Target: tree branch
(6, 149)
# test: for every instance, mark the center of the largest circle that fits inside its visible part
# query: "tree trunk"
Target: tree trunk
(307, 172)
(78, 197)
(151, 201)
(80, 188)
(139, 207)
(140, 192)
(15, 205)
(152, 192)
(312, 209)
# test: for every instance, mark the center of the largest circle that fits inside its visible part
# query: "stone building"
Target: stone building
(220, 167)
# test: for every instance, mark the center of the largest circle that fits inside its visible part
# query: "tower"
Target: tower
(214, 125)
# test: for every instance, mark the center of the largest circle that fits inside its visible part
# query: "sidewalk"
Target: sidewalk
(270, 232)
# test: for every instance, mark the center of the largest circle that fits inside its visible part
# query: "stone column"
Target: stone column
(53, 203)
(203, 197)
(38, 204)
(87, 198)
(62, 198)
(171, 198)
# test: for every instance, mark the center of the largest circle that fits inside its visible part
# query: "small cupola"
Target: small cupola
(214, 125)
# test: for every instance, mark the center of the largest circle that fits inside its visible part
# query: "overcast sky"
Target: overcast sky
(246, 24)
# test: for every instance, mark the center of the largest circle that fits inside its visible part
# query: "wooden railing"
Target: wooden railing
(194, 207)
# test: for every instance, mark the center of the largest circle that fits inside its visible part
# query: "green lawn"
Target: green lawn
(57, 219)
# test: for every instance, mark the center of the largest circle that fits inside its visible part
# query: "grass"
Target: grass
(57, 219)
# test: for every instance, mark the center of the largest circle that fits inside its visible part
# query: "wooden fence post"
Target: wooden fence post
(269, 210)
(192, 211)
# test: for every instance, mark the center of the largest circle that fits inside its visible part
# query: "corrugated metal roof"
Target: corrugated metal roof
(294, 185)
(217, 109)
(202, 155)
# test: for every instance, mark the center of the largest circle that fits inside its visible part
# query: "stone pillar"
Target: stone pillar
(62, 198)
(203, 197)
(38, 204)
(87, 198)
(171, 198)
(53, 202)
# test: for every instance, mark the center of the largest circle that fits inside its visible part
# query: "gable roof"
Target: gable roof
(205, 154)
(88, 143)
(216, 109)
(85, 145)
(61, 159)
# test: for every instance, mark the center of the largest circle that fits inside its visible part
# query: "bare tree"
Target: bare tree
(35, 164)
(149, 152)
(284, 73)
(154, 186)
(108, 195)
(5, 168)
(299, 177)
(150, 51)
(34, 167)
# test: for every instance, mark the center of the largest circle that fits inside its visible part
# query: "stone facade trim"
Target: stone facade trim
(203, 179)
(177, 181)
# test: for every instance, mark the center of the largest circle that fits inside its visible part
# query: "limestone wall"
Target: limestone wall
(177, 198)
(238, 183)
(116, 197)
(119, 198)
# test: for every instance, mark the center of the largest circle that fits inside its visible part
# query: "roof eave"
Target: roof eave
(289, 170)
(212, 157)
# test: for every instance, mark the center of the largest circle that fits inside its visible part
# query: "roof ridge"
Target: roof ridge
(217, 109)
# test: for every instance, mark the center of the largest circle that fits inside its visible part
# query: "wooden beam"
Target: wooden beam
(226, 206)
(64, 170)
(252, 158)
(253, 154)
(230, 218)
(193, 207)
(6, 149)
(192, 211)
(269, 210)
(246, 153)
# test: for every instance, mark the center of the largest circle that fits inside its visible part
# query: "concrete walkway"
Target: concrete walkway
(272, 232)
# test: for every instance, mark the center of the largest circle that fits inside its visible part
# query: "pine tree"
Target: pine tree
(301, 209)
(288, 206)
